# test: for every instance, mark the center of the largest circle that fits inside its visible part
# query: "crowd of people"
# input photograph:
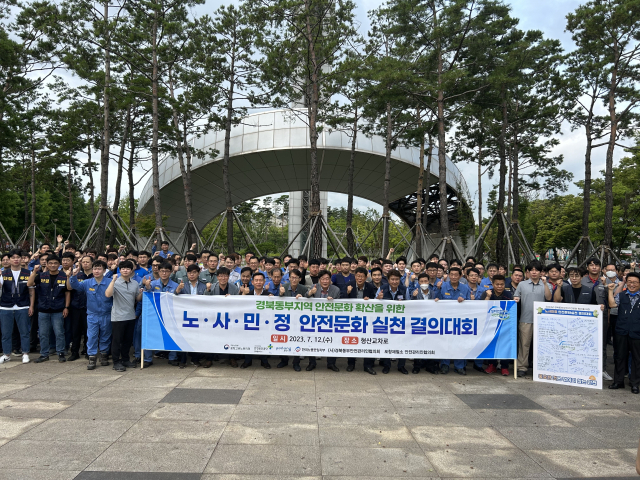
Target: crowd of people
(56, 300)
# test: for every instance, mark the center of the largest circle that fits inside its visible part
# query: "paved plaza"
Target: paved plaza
(60, 421)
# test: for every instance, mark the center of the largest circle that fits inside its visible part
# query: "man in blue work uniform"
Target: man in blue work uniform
(426, 290)
(453, 290)
(53, 306)
(499, 293)
(394, 290)
(16, 303)
(163, 284)
(78, 310)
(164, 250)
(343, 277)
(98, 313)
(492, 270)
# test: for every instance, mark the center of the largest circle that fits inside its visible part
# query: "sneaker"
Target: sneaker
(62, 358)
(505, 372)
(4, 358)
(25, 358)
(147, 364)
(17, 353)
(92, 362)
(104, 359)
(41, 359)
(118, 367)
(606, 376)
(73, 357)
(491, 368)
(130, 364)
(522, 373)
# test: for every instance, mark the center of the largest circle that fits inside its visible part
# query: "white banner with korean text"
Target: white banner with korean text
(330, 328)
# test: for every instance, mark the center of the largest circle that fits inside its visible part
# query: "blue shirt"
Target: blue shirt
(486, 284)
(142, 272)
(447, 292)
(478, 292)
(158, 286)
(97, 301)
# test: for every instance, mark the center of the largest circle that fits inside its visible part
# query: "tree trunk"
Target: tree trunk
(387, 183)
(33, 184)
(116, 199)
(501, 253)
(104, 160)
(70, 193)
(313, 133)
(515, 217)
(92, 193)
(419, 192)
(25, 191)
(351, 244)
(132, 199)
(608, 173)
(586, 190)
(187, 155)
(509, 192)
(225, 158)
(480, 190)
(186, 184)
(155, 122)
(425, 218)
(442, 172)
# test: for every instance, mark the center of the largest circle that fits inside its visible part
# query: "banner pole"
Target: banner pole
(141, 358)
(515, 368)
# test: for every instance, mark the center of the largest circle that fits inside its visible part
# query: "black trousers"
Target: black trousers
(78, 327)
(15, 338)
(330, 360)
(386, 362)
(34, 339)
(248, 359)
(121, 340)
(366, 362)
(623, 345)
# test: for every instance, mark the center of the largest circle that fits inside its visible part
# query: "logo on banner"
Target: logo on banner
(226, 347)
(259, 348)
(297, 349)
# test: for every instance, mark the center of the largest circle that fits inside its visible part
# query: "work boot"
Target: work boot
(104, 359)
(92, 363)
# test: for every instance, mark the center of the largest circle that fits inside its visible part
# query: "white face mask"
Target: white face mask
(610, 274)
(424, 286)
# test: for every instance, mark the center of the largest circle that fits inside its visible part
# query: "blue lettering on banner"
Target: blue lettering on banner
(283, 322)
(190, 322)
(220, 323)
(252, 319)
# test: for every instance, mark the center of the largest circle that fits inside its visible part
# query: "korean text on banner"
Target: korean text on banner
(332, 328)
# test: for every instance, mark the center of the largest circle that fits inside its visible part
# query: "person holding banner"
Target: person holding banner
(293, 289)
(224, 288)
(324, 289)
(258, 281)
(626, 336)
(360, 288)
(455, 291)
(162, 284)
(394, 290)
(98, 312)
(499, 293)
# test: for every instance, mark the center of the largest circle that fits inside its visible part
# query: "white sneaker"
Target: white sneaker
(25, 358)
(4, 358)
(606, 376)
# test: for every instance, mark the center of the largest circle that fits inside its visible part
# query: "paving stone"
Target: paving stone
(7, 389)
(562, 402)
(373, 436)
(522, 418)
(148, 381)
(54, 455)
(79, 430)
(182, 431)
(11, 427)
(362, 415)
(115, 393)
(428, 416)
(614, 437)
(265, 460)
(270, 434)
(107, 411)
(497, 401)
(275, 414)
(277, 397)
(187, 411)
(203, 395)
(484, 462)
(353, 399)
(31, 408)
(32, 474)
(48, 392)
(232, 476)
(154, 457)
(448, 401)
(137, 476)
(229, 383)
(440, 438)
(549, 438)
(366, 462)
(608, 463)
(607, 418)
(81, 379)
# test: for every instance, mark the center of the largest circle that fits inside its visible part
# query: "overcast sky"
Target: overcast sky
(546, 15)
